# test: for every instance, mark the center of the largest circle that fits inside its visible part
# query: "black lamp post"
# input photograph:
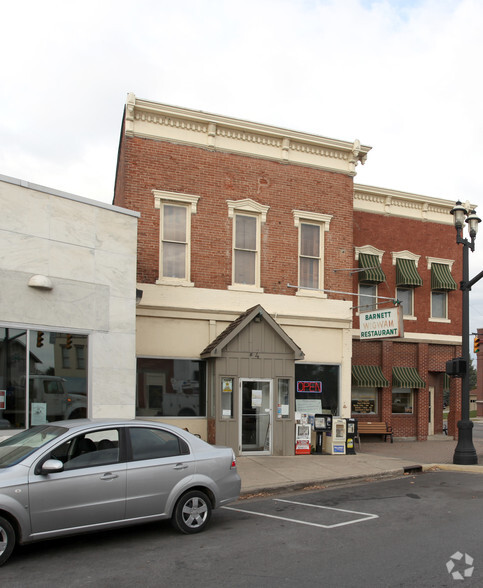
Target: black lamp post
(465, 453)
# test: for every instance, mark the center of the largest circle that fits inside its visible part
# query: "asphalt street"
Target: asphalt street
(419, 530)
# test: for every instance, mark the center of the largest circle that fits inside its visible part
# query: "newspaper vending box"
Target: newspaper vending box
(322, 424)
(335, 440)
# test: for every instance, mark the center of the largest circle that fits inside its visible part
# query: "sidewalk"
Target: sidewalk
(262, 474)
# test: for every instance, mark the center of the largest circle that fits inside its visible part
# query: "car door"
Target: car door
(91, 490)
(160, 461)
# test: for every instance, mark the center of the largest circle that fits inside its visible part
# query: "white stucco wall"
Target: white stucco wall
(88, 251)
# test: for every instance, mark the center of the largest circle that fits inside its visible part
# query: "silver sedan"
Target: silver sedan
(71, 477)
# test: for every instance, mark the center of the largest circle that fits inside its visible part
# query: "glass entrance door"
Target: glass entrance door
(256, 420)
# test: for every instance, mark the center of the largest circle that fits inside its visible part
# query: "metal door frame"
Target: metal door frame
(270, 416)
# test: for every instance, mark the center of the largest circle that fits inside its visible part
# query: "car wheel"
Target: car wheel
(7, 540)
(192, 512)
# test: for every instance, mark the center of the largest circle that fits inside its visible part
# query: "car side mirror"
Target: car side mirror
(51, 466)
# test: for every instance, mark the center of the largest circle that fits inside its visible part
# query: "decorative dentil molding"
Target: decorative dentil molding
(162, 122)
(403, 204)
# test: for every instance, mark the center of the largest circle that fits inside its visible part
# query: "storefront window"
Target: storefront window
(317, 384)
(402, 401)
(39, 379)
(364, 400)
(283, 403)
(171, 387)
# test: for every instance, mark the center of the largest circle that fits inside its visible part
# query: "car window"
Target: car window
(16, 448)
(149, 443)
(89, 449)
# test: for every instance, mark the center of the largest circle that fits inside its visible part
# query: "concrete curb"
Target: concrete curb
(338, 481)
(265, 490)
(452, 467)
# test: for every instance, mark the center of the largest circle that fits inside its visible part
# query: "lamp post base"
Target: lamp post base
(465, 452)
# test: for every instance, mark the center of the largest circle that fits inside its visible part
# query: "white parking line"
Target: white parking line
(365, 516)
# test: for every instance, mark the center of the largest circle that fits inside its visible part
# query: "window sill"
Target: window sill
(310, 293)
(409, 317)
(174, 282)
(439, 320)
(245, 288)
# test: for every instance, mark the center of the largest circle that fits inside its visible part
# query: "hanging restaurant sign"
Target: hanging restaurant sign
(382, 324)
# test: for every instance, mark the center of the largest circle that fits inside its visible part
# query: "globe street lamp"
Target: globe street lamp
(465, 453)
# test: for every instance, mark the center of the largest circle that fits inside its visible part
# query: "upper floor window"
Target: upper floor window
(407, 279)
(175, 236)
(311, 227)
(310, 256)
(406, 297)
(367, 297)
(248, 217)
(442, 282)
(370, 275)
(246, 252)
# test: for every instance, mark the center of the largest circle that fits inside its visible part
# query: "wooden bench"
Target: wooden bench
(373, 428)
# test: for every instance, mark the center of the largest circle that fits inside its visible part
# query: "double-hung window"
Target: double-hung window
(442, 282)
(370, 275)
(248, 217)
(311, 227)
(246, 254)
(407, 280)
(175, 236)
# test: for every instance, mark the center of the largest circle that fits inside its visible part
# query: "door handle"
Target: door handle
(180, 466)
(109, 476)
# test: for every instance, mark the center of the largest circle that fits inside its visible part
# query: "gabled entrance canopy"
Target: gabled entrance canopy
(256, 313)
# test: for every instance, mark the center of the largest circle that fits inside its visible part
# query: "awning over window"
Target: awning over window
(406, 377)
(441, 278)
(372, 269)
(407, 273)
(368, 376)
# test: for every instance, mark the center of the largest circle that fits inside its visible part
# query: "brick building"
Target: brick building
(247, 241)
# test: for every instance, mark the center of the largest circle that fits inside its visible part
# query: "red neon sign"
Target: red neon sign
(312, 387)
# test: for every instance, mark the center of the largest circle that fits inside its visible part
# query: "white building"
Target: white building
(67, 307)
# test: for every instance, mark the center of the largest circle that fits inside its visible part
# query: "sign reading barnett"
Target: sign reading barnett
(382, 324)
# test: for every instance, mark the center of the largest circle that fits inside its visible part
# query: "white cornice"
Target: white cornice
(402, 204)
(211, 131)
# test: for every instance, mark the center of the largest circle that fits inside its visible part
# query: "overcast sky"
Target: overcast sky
(403, 76)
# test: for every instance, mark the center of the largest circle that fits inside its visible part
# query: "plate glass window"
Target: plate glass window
(364, 400)
(40, 379)
(171, 387)
(402, 401)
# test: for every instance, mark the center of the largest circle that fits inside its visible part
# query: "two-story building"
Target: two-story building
(248, 241)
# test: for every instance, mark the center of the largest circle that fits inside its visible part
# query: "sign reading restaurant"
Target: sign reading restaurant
(381, 324)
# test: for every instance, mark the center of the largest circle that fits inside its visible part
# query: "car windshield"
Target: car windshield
(16, 448)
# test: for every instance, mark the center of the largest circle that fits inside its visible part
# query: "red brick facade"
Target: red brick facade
(426, 239)
(215, 176)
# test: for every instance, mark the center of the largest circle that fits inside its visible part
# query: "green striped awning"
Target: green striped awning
(441, 278)
(372, 269)
(407, 273)
(406, 377)
(368, 376)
